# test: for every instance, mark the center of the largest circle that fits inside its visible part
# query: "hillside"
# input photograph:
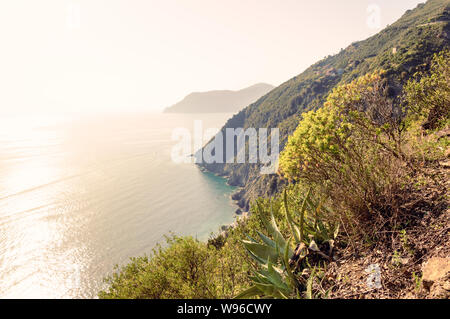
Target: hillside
(401, 49)
(365, 215)
(223, 101)
(363, 211)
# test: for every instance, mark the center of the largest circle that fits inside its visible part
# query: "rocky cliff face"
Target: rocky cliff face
(401, 49)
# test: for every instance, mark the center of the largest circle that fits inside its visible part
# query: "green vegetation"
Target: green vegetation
(360, 169)
(402, 49)
(428, 97)
(284, 270)
(186, 268)
(350, 150)
(363, 153)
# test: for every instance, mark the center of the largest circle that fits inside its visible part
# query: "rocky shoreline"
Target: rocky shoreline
(236, 196)
(240, 213)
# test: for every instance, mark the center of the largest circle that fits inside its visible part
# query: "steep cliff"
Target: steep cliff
(401, 49)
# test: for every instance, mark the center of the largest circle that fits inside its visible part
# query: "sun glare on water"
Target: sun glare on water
(30, 231)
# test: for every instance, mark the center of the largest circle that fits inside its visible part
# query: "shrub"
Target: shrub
(185, 269)
(350, 150)
(358, 151)
(427, 96)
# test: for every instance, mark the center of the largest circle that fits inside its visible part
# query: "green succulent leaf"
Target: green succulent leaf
(266, 240)
(309, 283)
(302, 216)
(249, 293)
(294, 228)
(261, 251)
(272, 227)
(287, 253)
(270, 290)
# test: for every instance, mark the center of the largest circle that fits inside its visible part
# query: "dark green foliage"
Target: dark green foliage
(186, 268)
(428, 95)
(360, 153)
(283, 269)
(415, 37)
(350, 150)
(350, 160)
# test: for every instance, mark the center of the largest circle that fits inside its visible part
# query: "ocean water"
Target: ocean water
(81, 194)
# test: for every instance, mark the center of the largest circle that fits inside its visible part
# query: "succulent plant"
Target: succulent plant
(281, 269)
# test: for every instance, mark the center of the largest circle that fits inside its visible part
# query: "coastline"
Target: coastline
(236, 196)
(239, 215)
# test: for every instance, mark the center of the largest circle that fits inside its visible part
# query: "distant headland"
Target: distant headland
(220, 101)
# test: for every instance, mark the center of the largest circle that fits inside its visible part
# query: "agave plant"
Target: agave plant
(280, 268)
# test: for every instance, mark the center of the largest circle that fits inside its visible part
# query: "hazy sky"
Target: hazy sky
(145, 54)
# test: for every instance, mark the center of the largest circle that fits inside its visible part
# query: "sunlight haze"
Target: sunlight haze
(115, 55)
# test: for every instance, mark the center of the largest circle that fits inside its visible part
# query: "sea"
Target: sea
(81, 194)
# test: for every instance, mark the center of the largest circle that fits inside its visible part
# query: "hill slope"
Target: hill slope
(401, 49)
(223, 101)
